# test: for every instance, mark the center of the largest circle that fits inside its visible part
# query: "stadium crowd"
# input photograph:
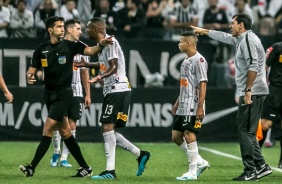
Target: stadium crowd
(139, 19)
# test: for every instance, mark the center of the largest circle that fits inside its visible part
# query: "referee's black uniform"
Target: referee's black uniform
(56, 61)
(272, 108)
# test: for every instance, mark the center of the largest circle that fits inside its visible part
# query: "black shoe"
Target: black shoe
(142, 160)
(280, 164)
(246, 177)
(27, 170)
(263, 171)
(105, 175)
(83, 172)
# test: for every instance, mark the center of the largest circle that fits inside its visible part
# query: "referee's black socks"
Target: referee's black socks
(75, 151)
(41, 150)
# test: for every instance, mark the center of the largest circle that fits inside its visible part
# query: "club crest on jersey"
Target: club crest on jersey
(202, 60)
(62, 59)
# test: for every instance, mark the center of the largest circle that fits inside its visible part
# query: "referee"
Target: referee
(272, 107)
(55, 56)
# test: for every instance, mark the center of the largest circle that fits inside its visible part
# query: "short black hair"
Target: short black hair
(71, 22)
(245, 19)
(190, 32)
(50, 22)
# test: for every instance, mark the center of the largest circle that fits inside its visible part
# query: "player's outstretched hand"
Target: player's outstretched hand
(95, 79)
(200, 31)
(82, 63)
(30, 78)
(106, 41)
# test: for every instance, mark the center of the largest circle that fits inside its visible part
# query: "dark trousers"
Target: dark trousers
(247, 122)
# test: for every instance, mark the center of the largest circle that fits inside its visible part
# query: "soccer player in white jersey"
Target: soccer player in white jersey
(117, 92)
(189, 108)
(73, 32)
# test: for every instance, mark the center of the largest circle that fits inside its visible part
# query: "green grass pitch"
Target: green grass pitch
(167, 162)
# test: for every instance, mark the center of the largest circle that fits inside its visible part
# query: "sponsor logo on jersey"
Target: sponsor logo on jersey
(121, 116)
(198, 124)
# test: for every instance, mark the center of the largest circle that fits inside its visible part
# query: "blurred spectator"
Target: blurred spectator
(84, 9)
(109, 15)
(266, 13)
(216, 19)
(4, 20)
(131, 20)
(41, 15)
(68, 11)
(182, 17)
(9, 4)
(240, 6)
(22, 22)
(269, 8)
(119, 5)
(200, 6)
(156, 23)
(33, 5)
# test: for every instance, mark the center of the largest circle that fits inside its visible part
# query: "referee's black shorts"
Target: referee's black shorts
(58, 102)
(272, 107)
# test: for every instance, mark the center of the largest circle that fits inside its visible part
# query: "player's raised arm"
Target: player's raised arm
(200, 31)
(90, 51)
(87, 65)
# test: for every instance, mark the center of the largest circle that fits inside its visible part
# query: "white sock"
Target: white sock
(65, 150)
(268, 135)
(193, 154)
(125, 144)
(183, 146)
(57, 142)
(200, 160)
(110, 149)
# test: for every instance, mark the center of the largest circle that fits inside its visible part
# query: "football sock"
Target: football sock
(193, 154)
(57, 142)
(268, 135)
(65, 150)
(200, 160)
(75, 151)
(125, 144)
(110, 149)
(41, 150)
(183, 146)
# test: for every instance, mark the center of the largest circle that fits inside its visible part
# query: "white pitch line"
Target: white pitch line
(231, 156)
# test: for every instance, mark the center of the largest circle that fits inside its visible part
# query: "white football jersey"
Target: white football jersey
(117, 82)
(193, 70)
(76, 78)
